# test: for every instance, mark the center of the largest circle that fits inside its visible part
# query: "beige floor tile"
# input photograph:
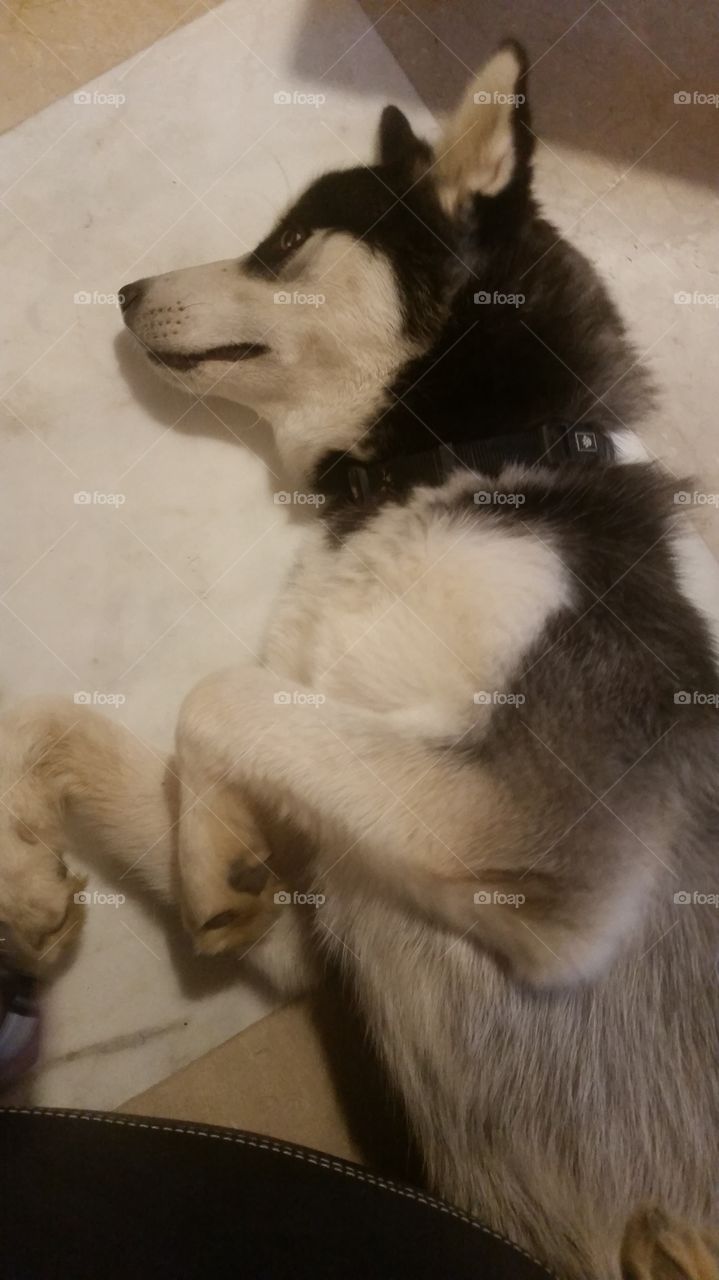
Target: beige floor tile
(50, 47)
(274, 1078)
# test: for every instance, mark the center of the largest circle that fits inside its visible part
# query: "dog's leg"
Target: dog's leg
(234, 739)
(70, 777)
(412, 820)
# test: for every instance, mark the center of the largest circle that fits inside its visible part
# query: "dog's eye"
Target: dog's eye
(292, 238)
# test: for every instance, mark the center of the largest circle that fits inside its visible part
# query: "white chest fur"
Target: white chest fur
(417, 612)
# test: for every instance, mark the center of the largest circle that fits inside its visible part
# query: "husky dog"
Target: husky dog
(482, 711)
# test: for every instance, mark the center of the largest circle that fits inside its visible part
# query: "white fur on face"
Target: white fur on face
(332, 323)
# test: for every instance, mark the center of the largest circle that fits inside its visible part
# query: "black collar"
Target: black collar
(552, 444)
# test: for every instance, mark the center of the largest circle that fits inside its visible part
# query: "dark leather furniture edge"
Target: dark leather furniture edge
(85, 1194)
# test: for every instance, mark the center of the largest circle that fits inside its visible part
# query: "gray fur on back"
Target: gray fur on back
(552, 1116)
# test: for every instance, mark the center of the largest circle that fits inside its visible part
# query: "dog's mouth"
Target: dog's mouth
(232, 352)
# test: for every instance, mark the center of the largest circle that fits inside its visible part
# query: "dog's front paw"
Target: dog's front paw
(246, 919)
(40, 899)
(228, 889)
(41, 902)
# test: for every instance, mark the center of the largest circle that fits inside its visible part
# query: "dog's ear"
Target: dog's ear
(398, 144)
(487, 141)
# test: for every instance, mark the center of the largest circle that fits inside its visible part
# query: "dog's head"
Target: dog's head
(356, 278)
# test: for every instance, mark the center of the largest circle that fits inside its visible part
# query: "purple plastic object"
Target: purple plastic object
(19, 1014)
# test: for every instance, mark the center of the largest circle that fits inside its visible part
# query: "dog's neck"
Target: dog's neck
(302, 435)
(339, 414)
(492, 369)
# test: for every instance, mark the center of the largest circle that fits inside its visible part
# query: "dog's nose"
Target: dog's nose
(130, 294)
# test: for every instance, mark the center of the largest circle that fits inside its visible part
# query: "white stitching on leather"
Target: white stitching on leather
(269, 1144)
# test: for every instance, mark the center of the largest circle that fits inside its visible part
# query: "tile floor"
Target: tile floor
(167, 565)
